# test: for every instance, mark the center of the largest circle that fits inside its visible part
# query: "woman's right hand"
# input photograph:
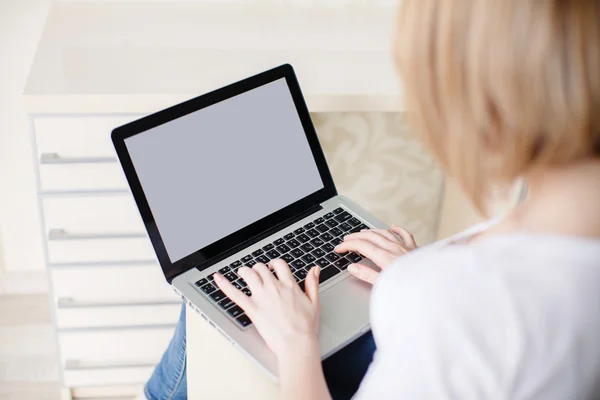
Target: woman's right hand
(382, 246)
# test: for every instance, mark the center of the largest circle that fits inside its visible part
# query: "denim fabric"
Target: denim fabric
(168, 381)
(343, 371)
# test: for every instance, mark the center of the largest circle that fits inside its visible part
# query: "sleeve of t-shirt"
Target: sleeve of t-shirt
(430, 316)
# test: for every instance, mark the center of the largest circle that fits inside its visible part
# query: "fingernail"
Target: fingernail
(217, 277)
(353, 269)
(317, 272)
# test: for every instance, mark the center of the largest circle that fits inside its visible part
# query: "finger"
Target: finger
(253, 280)
(283, 272)
(363, 272)
(265, 274)
(376, 238)
(367, 248)
(406, 236)
(234, 294)
(312, 285)
(388, 234)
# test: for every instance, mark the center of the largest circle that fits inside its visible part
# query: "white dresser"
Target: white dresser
(100, 65)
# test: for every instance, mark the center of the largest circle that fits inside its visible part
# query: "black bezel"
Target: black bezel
(203, 257)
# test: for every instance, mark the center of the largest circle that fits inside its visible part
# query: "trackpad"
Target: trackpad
(345, 307)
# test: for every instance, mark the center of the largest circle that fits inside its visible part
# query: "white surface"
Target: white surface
(510, 316)
(177, 50)
(207, 352)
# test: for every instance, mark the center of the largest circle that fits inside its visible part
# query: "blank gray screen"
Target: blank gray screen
(212, 172)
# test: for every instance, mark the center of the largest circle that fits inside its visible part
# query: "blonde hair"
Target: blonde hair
(499, 88)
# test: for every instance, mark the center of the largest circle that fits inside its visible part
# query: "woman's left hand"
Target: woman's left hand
(286, 317)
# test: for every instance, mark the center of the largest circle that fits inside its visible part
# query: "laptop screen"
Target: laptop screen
(215, 171)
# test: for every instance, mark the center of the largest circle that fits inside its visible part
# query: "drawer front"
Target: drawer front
(126, 316)
(93, 215)
(75, 177)
(100, 250)
(117, 284)
(90, 377)
(74, 137)
(116, 346)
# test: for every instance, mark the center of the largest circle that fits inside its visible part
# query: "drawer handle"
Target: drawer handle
(61, 234)
(72, 365)
(68, 302)
(55, 158)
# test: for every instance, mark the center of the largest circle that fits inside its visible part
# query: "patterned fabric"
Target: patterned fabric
(378, 163)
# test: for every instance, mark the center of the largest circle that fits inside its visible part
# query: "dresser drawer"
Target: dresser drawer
(93, 215)
(115, 283)
(100, 250)
(75, 177)
(75, 137)
(92, 377)
(115, 346)
(122, 316)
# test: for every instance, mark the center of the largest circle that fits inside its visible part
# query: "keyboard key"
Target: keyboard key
(268, 247)
(317, 242)
(224, 270)
(299, 231)
(242, 282)
(263, 259)
(363, 226)
(332, 223)
(226, 303)
(231, 277)
(235, 264)
(235, 311)
(338, 210)
(353, 257)
(327, 273)
(336, 241)
(211, 277)
(310, 225)
(328, 216)
(307, 247)
(258, 252)
(336, 231)
(342, 263)
(208, 288)
(293, 243)
(302, 238)
(332, 257)
(308, 258)
(297, 253)
(288, 258)
(217, 296)
(354, 230)
(354, 222)
(246, 258)
(319, 221)
(345, 227)
(243, 320)
(237, 285)
(302, 285)
(301, 273)
(298, 264)
(247, 291)
(345, 216)
(288, 236)
(250, 263)
(201, 282)
(326, 237)
(321, 262)
(273, 254)
(322, 228)
(312, 233)
(328, 247)
(318, 253)
(278, 242)
(282, 249)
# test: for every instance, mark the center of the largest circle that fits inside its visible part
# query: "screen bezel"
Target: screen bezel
(202, 258)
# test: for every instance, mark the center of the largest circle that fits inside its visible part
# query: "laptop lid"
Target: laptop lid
(220, 169)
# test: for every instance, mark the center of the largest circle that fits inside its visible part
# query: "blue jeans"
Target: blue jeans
(343, 371)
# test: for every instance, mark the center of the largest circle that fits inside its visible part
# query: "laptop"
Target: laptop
(235, 177)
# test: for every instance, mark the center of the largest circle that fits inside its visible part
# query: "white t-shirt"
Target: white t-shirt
(510, 317)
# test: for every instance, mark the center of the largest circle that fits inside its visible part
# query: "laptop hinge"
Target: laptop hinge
(261, 236)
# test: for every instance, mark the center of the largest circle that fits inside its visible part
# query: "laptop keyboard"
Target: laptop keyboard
(302, 249)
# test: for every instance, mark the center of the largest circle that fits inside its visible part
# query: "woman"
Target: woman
(498, 90)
